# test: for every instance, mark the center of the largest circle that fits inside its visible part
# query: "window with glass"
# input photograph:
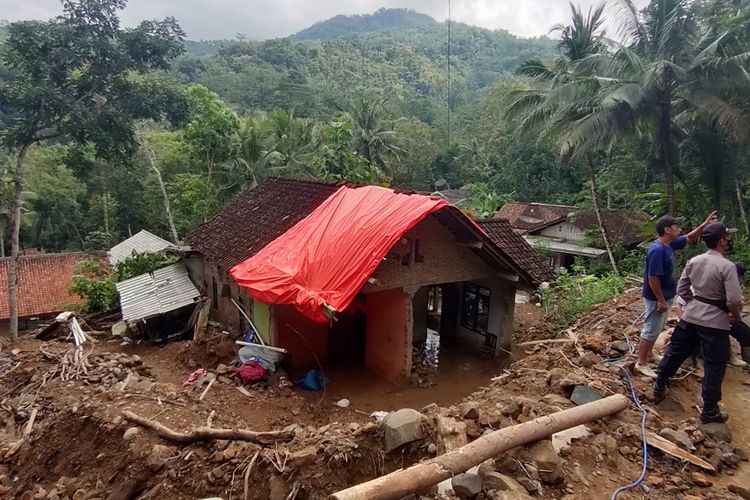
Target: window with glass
(475, 314)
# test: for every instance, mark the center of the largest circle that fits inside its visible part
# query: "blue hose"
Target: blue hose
(644, 415)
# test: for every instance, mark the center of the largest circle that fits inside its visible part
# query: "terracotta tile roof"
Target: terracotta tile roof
(502, 235)
(43, 283)
(256, 218)
(625, 227)
(527, 217)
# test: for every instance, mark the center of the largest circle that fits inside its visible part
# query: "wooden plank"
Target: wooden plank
(670, 448)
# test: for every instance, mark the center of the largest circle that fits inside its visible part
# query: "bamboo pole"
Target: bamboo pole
(403, 482)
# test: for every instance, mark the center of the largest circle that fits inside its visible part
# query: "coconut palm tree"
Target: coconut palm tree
(292, 142)
(564, 93)
(665, 71)
(374, 139)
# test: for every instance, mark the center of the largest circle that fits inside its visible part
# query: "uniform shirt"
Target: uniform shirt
(660, 263)
(712, 277)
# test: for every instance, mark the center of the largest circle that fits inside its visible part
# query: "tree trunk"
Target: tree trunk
(105, 208)
(15, 230)
(598, 212)
(665, 149)
(403, 482)
(165, 198)
(741, 204)
(209, 182)
(2, 240)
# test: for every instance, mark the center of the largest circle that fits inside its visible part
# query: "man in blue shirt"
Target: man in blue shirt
(659, 283)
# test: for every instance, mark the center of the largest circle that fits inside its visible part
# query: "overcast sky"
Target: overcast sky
(210, 19)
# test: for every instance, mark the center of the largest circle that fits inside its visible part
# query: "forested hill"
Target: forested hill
(398, 54)
(342, 26)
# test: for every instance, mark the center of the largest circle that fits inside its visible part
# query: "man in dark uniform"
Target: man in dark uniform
(711, 290)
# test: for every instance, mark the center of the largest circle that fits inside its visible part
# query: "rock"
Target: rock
(489, 420)
(231, 452)
(224, 380)
(510, 495)
(158, 456)
(571, 380)
(470, 411)
(131, 433)
(555, 375)
(562, 439)
(730, 459)
(217, 457)
(691, 497)
(670, 404)
(529, 484)
(305, 456)
(66, 486)
(278, 487)
(401, 427)
(655, 481)
(432, 448)
(549, 463)
(620, 346)
(217, 474)
(556, 400)
(739, 491)
(583, 394)
(120, 329)
(222, 369)
(512, 409)
(677, 437)
(500, 482)
(296, 411)
(699, 479)
(588, 360)
(430, 408)
(717, 430)
(742, 454)
(466, 485)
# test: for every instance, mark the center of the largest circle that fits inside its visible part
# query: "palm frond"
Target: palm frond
(535, 68)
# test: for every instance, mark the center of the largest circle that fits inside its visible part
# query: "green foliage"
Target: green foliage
(484, 202)
(93, 281)
(573, 294)
(142, 263)
(336, 160)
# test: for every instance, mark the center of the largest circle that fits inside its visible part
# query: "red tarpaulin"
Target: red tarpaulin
(328, 256)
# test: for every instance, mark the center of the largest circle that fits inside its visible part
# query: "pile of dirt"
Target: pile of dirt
(332, 448)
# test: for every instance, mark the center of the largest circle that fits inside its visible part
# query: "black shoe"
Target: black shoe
(659, 392)
(714, 415)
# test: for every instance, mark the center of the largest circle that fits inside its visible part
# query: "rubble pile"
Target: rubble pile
(588, 461)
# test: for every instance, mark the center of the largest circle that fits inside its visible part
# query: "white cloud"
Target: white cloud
(272, 18)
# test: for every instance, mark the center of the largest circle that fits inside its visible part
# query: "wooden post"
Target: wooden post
(403, 482)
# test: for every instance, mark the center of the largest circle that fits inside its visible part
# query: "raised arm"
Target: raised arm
(693, 235)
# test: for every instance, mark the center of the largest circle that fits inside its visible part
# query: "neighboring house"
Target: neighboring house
(443, 263)
(141, 242)
(44, 281)
(565, 232)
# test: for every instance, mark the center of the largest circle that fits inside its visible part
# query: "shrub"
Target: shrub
(575, 293)
(93, 281)
(142, 263)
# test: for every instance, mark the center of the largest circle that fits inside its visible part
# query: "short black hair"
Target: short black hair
(712, 241)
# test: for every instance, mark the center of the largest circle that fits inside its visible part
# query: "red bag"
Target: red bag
(251, 372)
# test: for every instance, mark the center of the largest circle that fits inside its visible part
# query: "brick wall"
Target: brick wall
(445, 260)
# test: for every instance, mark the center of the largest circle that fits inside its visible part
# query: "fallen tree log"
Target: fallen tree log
(208, 433)
(403, 482)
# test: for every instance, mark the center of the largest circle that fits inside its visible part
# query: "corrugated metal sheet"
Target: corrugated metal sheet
(156, 293)
(141, 242)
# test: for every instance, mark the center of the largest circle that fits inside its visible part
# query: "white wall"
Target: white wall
(500, 323)
(563, 230)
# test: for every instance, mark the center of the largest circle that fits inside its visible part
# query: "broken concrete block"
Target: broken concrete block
(583, 394)
(677, 437)
(401, 427)
(512, 409)
(547, 461)
(466, 485)
(718, 430)
(562, 439)
(120, 329)
(470, 411)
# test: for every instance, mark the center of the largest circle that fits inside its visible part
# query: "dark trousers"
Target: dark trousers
(715, 347)
(741, 332)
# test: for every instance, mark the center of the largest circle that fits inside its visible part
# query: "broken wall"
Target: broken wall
(439, 259)
(389, 324)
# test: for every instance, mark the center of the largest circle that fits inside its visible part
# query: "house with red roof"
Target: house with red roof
(336, 272)
(44, 282)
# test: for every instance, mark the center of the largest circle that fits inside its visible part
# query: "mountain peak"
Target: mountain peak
(342, 26)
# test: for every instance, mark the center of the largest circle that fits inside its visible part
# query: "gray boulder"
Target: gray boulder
(466, 485)
(401, 427)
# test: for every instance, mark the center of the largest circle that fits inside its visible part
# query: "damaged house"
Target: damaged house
(44, 282)
(566, 232)
(335, 272)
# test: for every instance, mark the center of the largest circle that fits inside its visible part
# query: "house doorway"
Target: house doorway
(347, 341)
